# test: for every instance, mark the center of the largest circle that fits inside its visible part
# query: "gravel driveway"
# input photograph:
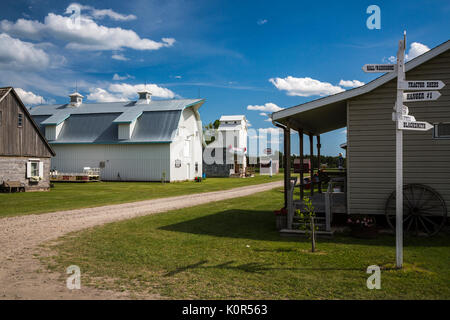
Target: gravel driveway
(22, 276)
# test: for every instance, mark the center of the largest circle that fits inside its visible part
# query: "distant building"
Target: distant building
(143, 140)
(227, 154)
(24, 152)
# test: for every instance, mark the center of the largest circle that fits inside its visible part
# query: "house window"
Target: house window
(196, 167)
(441, 131)
(20, 120)
(34, 169)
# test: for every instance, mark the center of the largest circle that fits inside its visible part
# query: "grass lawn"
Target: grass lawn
(66, 196)
(231, 250)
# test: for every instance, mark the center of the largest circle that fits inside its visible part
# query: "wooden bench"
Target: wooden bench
(12, 186)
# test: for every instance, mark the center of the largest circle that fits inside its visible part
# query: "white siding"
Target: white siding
(188, 131)
(133, 162)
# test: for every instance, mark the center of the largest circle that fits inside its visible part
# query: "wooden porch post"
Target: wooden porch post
(311, 152)
(318, 161)
(287, 164)
(300, 135)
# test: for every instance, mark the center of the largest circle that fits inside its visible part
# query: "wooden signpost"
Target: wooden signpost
(421, 85)
(421, 96)
(413, 125)
(404, 121)
(374, 68)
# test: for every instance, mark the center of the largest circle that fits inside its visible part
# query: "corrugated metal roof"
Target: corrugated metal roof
(57, 118)
(157, 122)
(110, 107)
(129, 116)
(152, 127)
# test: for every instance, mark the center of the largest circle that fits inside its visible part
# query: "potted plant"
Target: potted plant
(281, 218)
(362, 226)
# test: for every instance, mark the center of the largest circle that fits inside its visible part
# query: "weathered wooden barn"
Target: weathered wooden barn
(369, 178)
(143, 140)
(24, 152)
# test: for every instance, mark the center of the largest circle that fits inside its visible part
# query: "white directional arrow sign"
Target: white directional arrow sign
(421, 96)
(403, 117)
(421, 85)
(371, 68)
(414, 125)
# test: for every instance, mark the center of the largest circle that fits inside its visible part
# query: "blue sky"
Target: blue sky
(224, 51)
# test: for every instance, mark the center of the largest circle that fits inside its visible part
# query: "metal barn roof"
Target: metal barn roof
(97, 123)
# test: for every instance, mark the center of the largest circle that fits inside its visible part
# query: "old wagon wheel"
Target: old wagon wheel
(424, 210)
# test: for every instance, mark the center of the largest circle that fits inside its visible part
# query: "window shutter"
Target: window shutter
(41, 169)
(29, 169)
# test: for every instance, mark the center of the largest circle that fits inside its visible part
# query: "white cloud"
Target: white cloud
(260, 22)
(119, 57)
(178, 77)
(119, 78)
(305, 87)
(28, 97)
(267, 107)
(351, 83)
(100, 13)
(126, 92)
(85, 35)
(392, 59)
(416, 49)
(20, 55)
(263, 114)
(101, 95)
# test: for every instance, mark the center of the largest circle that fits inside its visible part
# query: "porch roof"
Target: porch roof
(330, 113)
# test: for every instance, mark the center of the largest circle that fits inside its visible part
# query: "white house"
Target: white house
(227, 154)
(143, 140)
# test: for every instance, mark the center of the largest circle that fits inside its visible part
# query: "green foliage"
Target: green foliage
(307, 222)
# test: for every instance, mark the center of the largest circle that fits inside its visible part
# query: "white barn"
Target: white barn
(143, 140)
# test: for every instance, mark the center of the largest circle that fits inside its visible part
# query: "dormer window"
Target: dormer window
(20, 120)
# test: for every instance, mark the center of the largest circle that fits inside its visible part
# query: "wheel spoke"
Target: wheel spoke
(410, 223)
(407, 217)
(425, 227)
(413, 201)
(407, 199)
(430, 221)
(427, 213)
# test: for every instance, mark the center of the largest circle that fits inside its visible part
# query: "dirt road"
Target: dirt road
(23, 277)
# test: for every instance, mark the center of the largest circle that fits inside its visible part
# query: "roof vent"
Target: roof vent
(76, 99)
(145, 97)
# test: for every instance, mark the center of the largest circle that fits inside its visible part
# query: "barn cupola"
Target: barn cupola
(76, 99)
(145, 97)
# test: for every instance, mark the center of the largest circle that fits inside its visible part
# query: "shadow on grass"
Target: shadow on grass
(260, 225)
(252, 267)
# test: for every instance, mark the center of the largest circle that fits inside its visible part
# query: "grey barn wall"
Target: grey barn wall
(371, 142)
(15, 169)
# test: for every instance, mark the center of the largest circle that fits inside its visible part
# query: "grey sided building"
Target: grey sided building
(24, 152)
